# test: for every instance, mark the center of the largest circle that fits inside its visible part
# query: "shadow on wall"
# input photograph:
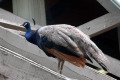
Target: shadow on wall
(2, 77)
(73, 12)
(6, 4)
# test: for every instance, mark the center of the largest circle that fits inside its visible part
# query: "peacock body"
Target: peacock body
(67, 43)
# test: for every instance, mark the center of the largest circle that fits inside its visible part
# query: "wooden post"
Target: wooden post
(29, 9)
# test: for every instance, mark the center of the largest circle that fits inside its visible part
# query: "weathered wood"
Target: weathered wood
(112, 9)
(10, 18)
(17, 67)
(13, 26)
(101, 24)
(109, 6)
(92, 28)
(29, 9)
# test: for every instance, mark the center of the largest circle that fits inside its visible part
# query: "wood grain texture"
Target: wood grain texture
(101, 24)
(109, 6)
(29, 9)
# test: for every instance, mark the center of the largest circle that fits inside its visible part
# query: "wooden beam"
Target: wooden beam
(13, 26)
(112, 9)
(11, 19)
(101, 24)
(109, 6)
(14, 66)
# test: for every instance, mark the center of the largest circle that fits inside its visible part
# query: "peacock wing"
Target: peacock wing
(60, 36)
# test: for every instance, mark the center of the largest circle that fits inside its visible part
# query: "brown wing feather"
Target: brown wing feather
(77, 61)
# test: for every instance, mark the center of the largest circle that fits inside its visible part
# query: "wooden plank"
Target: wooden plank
(29, 9)
(14, 6)
(101, 24)
(11, 21)
(92, 28)
(5, 15)
(17, 67)
(14, 26)
(109, 6)
(9, 18)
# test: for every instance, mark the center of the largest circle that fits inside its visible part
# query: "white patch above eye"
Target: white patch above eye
(25, 24)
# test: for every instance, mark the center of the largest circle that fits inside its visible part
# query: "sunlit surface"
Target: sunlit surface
(116, 2)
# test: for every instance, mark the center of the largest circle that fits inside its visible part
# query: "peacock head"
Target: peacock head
(26, 25)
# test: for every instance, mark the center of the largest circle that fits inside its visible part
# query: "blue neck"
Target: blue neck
(28, 33)
(32, 37)
(28, 29)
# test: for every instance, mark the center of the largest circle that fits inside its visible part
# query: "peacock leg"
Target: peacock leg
(60, 65)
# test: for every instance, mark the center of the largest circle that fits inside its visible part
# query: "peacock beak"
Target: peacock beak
(22, 25)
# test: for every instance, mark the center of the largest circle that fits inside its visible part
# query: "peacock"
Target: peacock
(66, 43)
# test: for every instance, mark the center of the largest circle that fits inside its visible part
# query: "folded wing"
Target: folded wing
(75, 41)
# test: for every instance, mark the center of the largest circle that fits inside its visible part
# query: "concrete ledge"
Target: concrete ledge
(18, 67)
